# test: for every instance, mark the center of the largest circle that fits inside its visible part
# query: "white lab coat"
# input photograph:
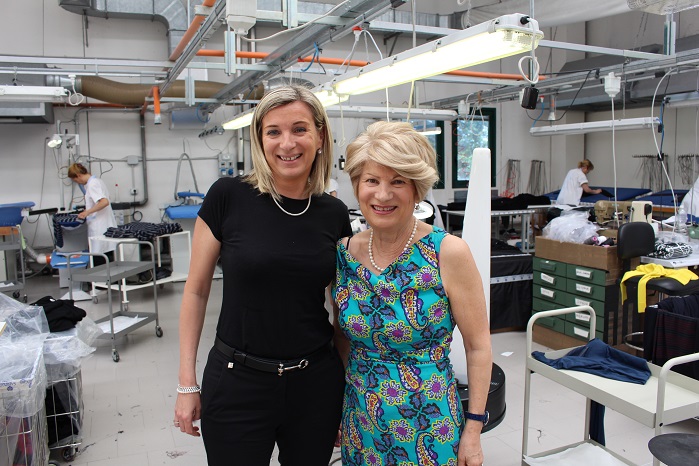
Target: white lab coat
(100, 221)
(692, 206)
(571, 191)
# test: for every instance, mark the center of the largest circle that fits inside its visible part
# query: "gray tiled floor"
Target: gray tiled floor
(129, 405)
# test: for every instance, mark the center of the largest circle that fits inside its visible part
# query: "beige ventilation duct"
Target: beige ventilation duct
(135, 94)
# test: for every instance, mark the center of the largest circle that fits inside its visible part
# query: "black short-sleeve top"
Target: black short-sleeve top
(275, 267)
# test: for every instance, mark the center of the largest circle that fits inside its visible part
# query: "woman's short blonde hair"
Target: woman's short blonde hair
(75, 170)
(586, 163)
(261, 175)
(397, 146)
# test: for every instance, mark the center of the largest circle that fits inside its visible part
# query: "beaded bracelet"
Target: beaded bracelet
(185, 390)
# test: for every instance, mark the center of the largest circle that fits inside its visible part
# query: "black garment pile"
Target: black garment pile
(62, 314)
(519, 202)
(143, 231)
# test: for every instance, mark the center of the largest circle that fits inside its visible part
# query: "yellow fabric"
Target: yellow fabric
(650, 271)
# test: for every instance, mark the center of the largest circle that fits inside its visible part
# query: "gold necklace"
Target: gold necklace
(371, 246)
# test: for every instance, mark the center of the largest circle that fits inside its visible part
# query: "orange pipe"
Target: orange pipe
(340, 61)
(156, 104)
(193, 28)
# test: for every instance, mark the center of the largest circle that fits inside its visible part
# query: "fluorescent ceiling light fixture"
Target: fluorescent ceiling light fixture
(328, 97)
(55, 141)
(364, 111)
(431, 131)
(240, 121)
(689, 99)
(595, 126)
(499, 38)
(32, 93)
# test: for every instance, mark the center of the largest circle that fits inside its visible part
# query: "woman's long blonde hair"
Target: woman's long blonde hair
(261, 176)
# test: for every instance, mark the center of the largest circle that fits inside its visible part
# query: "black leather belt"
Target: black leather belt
(271, 365)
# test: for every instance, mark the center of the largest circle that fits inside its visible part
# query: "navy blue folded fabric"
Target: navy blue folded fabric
(598, 358)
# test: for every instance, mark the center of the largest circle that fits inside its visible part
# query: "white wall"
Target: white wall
(31, 173)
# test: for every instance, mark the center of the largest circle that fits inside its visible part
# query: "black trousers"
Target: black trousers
(246, 411)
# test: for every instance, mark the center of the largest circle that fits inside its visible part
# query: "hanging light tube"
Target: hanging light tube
(499, 38)
(32, 94)
(689, 99)
(364, 111)
(325, 95)
(595, 127)
(240, 121)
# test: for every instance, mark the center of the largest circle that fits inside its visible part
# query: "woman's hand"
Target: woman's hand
(187, 411)
(470, 451)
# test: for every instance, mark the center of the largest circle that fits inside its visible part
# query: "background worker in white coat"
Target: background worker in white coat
(575, 183)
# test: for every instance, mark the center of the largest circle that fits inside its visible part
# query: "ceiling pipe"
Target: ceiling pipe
(190, 32)
(136, 94)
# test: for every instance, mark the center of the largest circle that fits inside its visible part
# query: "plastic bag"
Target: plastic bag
(22, 378)
(570, 227)
(22, 320)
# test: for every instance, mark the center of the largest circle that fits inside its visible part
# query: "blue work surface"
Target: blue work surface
(664, 197)
(623, 194)
(183, 211)
(11, 214)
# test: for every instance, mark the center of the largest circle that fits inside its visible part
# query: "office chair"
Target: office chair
(636, 239)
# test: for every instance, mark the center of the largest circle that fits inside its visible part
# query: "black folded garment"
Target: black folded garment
(62, 314)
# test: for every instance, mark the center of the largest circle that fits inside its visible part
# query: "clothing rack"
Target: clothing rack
(513, 185)
(538, 183)
(687, 166)
(651, 170)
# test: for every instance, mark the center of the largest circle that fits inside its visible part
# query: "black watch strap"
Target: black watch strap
(484, 418)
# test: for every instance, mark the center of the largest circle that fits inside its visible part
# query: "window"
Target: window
(468, 134)
(437, 141)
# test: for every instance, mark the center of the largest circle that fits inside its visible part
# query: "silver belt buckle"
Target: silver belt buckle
(301, 365)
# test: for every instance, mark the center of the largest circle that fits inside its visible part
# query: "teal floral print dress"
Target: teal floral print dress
(401, 405)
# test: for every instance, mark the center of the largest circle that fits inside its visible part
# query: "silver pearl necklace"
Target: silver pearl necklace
(405, 248)
(289, 213)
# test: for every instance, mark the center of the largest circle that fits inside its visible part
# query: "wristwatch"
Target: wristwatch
(484, 418)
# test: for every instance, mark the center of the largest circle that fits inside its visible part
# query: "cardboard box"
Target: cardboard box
(596, 257)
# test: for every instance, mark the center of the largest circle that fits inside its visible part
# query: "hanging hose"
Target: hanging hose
(191, 168)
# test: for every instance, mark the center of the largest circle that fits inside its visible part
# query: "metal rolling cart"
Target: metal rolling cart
(12, 248)
(667, 397)
(113, 273)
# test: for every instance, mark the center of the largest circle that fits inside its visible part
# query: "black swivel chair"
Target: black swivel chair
(636, 239)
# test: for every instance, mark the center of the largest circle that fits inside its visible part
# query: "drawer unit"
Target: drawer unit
(582, 319)
(549, 294)
(586, 290)
(554, 323)
(579, 273)
(572, 300)
(559, 284)
(550, 267)
(541, 305)
(550, 281)
(580, 332)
